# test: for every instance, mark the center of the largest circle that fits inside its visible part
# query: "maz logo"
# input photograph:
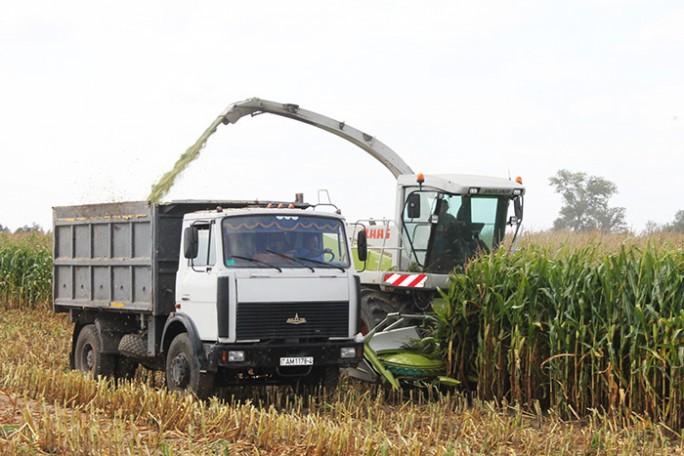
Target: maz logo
(296, 320)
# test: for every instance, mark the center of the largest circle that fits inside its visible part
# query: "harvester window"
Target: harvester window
(466, 226)
(416, 233)
(484, 214)
(450, 244)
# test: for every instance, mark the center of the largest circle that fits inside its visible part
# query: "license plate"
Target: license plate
(297, 361)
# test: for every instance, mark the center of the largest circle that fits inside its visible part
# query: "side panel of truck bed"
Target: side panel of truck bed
(103, 257)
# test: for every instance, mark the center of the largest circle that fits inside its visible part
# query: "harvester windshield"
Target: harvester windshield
(450, 229)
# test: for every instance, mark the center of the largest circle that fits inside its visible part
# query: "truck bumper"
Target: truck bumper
(275, 356)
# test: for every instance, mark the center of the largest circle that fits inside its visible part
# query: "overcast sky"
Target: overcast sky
(99, 99)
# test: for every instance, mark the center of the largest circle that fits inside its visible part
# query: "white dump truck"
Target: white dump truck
(212, 292)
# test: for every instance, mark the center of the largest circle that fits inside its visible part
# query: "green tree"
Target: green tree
(678, 224)
(585, 203)
(34, 227)
(652, 228)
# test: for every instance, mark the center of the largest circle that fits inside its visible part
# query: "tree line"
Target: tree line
(33, 228)
(585, 206)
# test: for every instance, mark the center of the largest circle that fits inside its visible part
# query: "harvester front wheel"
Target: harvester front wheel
(375, 305)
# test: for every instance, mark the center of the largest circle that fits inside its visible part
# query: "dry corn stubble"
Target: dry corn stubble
(107, 419)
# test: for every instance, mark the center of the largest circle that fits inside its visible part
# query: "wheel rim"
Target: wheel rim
(88, 358)
(180, 371)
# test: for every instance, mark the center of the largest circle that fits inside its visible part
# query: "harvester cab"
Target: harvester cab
(442, 221)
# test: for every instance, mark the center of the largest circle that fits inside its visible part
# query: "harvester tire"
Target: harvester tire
(375, 305)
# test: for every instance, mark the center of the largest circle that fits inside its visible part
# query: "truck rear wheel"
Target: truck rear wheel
(88, 356)
(183, 369)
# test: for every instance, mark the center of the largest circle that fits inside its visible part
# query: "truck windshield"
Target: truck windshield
(268, 241)
(453, 228)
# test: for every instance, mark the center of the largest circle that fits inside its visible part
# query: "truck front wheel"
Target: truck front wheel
(183, 369)
(88, 356)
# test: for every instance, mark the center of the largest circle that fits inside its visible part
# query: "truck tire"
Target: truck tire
(88, 356)
(133, 346)
(183, 369)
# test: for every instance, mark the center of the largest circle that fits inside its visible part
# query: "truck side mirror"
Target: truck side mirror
(517, 207)
(362, 245)
(190, 242)
(413, 205)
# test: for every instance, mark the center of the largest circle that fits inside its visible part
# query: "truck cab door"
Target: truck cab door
(197, 282)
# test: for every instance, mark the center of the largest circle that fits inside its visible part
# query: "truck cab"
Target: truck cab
(271, 294)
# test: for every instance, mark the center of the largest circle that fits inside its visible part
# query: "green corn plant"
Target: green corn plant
(25, 269)
(574, 329)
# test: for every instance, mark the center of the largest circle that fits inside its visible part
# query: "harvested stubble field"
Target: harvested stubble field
(47, 409)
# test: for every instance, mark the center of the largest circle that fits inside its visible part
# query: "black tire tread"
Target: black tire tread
(104, 364)
(133, 346)
(375, 305)
(201, 383)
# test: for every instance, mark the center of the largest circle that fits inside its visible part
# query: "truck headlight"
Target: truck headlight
(236, 356)
(348, 352)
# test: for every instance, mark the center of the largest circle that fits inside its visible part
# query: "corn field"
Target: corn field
(560, 350)
(25, 269)
(575, 330)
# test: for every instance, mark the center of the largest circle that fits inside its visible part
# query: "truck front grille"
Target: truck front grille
(277, 320)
